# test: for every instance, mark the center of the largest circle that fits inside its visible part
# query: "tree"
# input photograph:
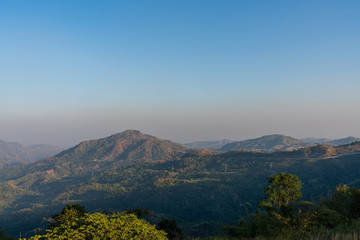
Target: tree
(69, 212)
(98, 226)
(345, 201)
(171, 228)
(283, 190)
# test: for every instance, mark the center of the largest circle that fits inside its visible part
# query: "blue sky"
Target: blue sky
(180, 70)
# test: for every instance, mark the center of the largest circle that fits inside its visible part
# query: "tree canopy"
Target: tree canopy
(98, 226)
(283, 190)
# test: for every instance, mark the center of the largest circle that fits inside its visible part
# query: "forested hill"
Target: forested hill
(12, 153)
(202, 189)
(269, 143)
(124, 148)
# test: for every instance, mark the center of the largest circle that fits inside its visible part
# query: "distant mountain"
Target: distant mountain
(121, 149)
(12, 153)
(332, 142)
(343, 141)
(213, 145)
(269, 143)
(316, 140)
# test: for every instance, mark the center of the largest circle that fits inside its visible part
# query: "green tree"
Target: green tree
(171, 228)
(69, 212)
(345, 201)
(98, 226)
(283, 191)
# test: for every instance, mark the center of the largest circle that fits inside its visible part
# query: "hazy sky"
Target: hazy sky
(182, 70)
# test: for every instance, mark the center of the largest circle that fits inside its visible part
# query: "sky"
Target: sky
(184, 70)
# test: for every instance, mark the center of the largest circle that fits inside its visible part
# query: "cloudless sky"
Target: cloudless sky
(180, 70)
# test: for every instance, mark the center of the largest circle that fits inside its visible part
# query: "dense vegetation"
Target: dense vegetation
(201, 190)
(337, 217)
(75, 223)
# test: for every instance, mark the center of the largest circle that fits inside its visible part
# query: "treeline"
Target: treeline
(281, 216)
(74, 222)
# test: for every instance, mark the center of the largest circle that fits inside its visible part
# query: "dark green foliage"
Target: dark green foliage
(282, 192)
(68, 213)
(171, 228)
(329, 218)
(139, 212)
(345, 201)
(3, 237)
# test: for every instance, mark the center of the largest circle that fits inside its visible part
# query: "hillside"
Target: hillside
(12, 153)
(124, 148)
(343, 141)
(269, 143)
(213, 145)
(202, 189)
(332, 142)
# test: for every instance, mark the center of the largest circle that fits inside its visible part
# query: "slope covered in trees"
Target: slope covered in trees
(269, 143)
(200, 189)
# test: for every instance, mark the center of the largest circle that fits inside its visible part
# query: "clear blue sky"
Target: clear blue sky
(181, 70)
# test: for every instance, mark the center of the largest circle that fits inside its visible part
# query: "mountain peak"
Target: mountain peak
(268, 143)
(123, 148)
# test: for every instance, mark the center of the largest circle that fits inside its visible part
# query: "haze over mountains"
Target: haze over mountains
(213, 145)
(14, 153)
(269, 143)
(331, 142)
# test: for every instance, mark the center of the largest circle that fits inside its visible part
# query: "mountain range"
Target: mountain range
(202, 188)
(268, 143)
(332, 142)
(12, 153)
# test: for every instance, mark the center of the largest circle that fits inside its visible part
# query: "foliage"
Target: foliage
(100, 226)
(345, 201)
(171, 228)
(3, 237)
(283, 190)
(198, 188)
(68, 213)
(139, 212)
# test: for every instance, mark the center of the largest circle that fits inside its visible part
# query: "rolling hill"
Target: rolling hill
(12, 153)
(268, 143)
(332, 142)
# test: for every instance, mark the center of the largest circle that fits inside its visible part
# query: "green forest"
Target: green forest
(280, 214)
(202, 190)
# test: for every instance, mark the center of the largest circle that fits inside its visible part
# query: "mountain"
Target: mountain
(12, 153)
(316, 140)
(120, 149)
(343, 141)
(201, 189)
(268, 143)
(213, 145)
(332, 142)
